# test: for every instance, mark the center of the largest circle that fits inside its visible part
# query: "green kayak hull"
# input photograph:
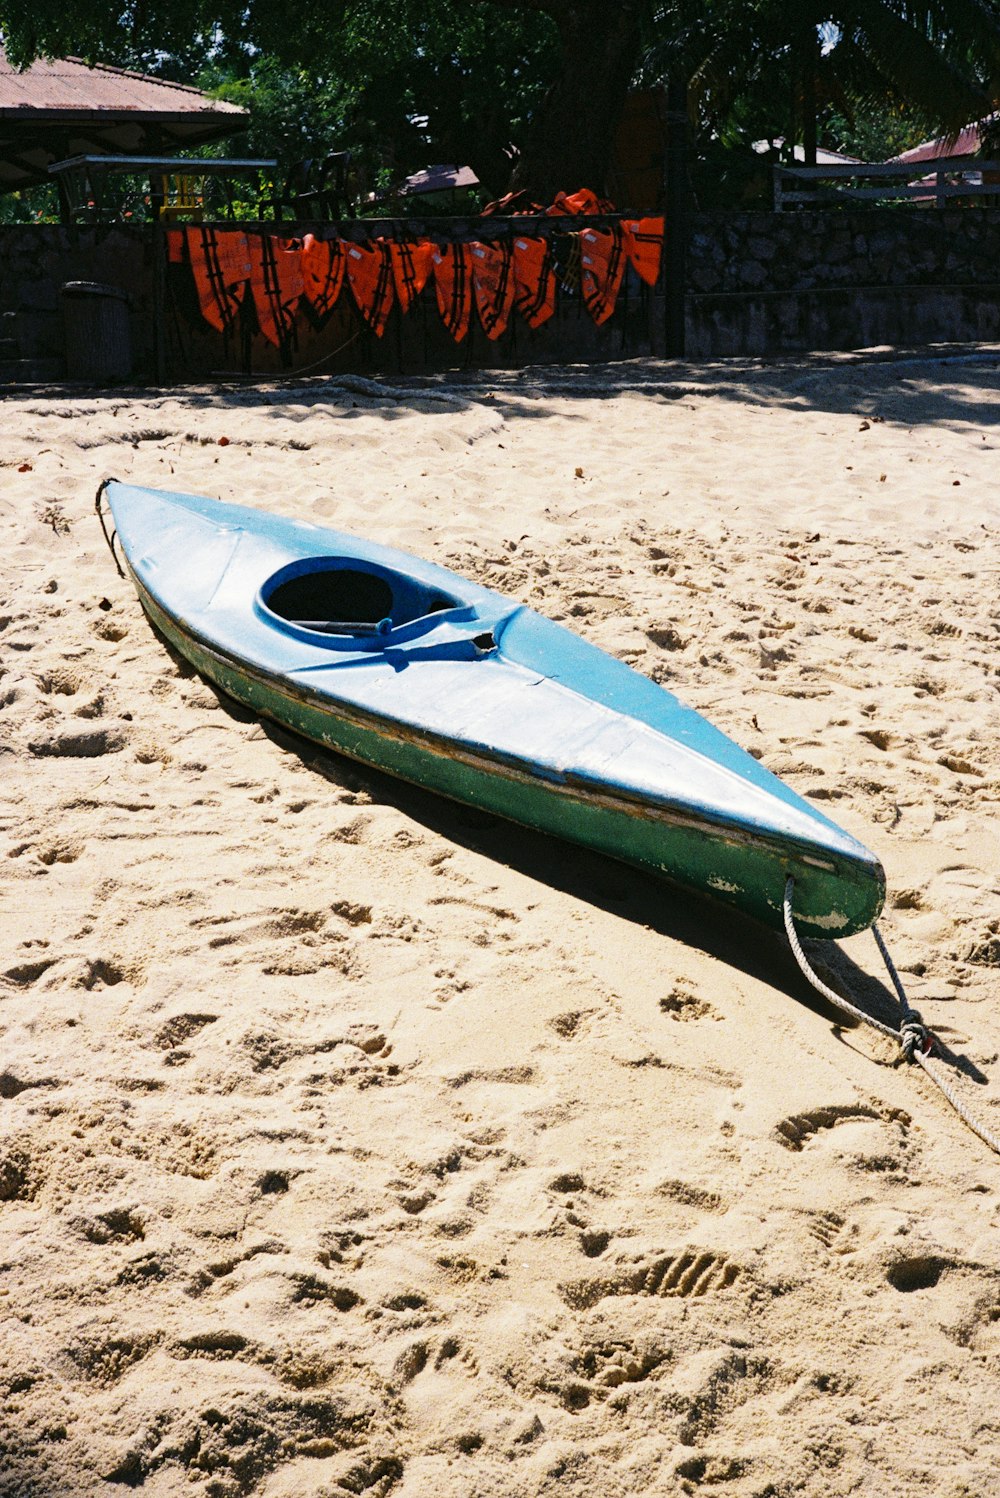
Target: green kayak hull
(722, 861)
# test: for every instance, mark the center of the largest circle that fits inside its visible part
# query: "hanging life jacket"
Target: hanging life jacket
(566, 253)
(276, 280)
(493, 284)
(412, 263)
(534, 280)
(322, 274)
(602, 265)
(220, 262)
(176, 246)
(643, 239)
(369, 270)
(453, 287)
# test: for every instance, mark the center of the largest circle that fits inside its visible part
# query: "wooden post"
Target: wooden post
(159, 300)
(676, 226)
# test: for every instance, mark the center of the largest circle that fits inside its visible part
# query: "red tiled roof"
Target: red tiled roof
(69, 85)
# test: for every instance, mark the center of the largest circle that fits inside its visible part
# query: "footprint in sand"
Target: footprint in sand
(797, 1130)
(689, 1195)
(604, 1366)
(571, 1025)
(682, 1005)
(86, 745)
(105, 1360)
(20, 1178)
(825, 1227)
(179, 1028)
(117, 1225)
(863, 1138)
(689, 1273)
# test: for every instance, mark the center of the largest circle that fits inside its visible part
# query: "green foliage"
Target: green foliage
(875, 132)
(421, 81)
(31, 205)
(294, 112)
(439, 81)
(877, 76)
(401, 86)
(939, 59)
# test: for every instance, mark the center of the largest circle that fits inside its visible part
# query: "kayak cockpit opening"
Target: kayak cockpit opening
(355, 602)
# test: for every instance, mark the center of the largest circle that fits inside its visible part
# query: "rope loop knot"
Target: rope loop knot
(916, 1042)
(915, 1036)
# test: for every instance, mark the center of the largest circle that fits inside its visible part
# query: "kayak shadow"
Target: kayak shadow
(695, 920)
(594, 879)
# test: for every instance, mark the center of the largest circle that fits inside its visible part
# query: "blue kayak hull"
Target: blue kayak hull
(464, 692)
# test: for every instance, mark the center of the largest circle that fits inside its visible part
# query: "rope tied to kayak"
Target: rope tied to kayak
(916, 1042)
(114, 534)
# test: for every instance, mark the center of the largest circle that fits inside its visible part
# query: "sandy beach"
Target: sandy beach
(355, 1143)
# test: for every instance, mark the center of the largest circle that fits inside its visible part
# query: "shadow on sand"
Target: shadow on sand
(899, 386)
(616, 888)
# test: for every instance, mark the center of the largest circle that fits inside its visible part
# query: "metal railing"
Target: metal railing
(931, 182)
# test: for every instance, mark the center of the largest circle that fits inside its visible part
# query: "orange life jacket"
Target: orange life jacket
(412, 264)
(176, 246)
(322, 273)
(493, 284)
(276, 279)
(534, 281)
(643, 239)
(221, 265)
(369, 270)
(453, 287)
(602, 265)
(583, 201)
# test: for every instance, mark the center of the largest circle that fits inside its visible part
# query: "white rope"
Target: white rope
(914, 1039)
(817, 981)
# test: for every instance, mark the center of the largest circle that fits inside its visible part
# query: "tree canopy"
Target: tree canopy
(532, 90)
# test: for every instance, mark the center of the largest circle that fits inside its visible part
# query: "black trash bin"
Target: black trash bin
(98, 336)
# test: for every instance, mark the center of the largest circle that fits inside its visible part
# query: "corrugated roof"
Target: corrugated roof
(68, 85)
(966, 143)
(63, 107)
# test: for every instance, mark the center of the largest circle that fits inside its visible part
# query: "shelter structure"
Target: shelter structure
(967, 142)
(62, 108)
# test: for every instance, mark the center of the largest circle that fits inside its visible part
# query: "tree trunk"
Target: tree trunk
(572, 135)
(810, 63)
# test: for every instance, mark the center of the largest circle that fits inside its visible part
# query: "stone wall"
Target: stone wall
(36, 260)
(757, 284)
(763, 283)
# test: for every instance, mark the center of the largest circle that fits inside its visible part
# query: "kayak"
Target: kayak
(409, 667)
